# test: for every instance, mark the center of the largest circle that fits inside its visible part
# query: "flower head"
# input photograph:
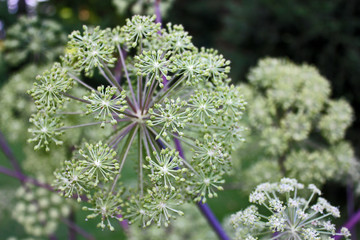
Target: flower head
(167, 94)
(290, 215)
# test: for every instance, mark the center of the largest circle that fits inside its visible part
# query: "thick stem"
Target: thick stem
(124, 224)
(212, 220)
(33, 181)
(25, 179)
(350, 203)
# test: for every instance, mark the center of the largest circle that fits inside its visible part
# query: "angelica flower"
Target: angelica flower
(33, 39)
(46, 130)
(48, 92)
(98, 161)
(295, 126)
(90, 49)
(166, 168)
(290, 215)
(107, 205)
(138, 28)
(107, 103)
(167, 92)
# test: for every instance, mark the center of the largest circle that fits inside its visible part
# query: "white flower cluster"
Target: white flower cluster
(289, 216)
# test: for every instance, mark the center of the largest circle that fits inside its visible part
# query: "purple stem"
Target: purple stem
(35, 182)
(25, 179)
(350, 224)
(275, 234)
(165, 81)
(52, 237)
(10, 155)
(212, 220)
(78, 229)
(350, 203)
(124, 224)
(157, 11)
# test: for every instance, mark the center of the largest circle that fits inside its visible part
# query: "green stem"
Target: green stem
(167, 91)
(126, 74)
(80, 125)
(81, 82)
(124, 154)
(76, 98)
(141, 183)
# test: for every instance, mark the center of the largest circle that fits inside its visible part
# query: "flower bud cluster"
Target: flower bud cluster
(33, 39)
(39, 210)
(141, 7)
(295, 124)
(191, 226)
